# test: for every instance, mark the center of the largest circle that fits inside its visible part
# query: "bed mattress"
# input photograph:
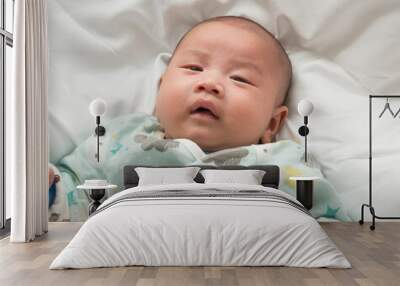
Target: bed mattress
(201, 225)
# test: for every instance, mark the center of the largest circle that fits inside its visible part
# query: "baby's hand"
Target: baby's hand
(53, 177)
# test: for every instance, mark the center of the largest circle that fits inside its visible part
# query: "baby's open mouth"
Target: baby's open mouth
(204, 112)
(204, 109)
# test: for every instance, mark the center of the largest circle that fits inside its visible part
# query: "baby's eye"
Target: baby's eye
(193, 68)
(240, 79)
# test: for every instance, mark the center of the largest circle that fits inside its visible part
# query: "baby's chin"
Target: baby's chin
(209, 141)
(209, 149)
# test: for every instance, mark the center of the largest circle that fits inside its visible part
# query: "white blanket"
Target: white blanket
(212, 230)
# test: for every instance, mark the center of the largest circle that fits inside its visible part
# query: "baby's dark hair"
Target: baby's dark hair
(249, 24)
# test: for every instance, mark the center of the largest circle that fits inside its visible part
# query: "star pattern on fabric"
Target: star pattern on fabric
(116, 148)
(331, 212)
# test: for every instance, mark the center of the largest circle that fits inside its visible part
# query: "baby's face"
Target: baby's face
(220, 88)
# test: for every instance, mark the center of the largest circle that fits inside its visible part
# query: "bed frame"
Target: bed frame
(270, 179)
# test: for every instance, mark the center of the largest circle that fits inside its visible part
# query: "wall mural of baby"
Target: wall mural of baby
(220, 102)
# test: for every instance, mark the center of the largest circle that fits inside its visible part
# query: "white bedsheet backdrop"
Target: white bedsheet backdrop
(341, 51)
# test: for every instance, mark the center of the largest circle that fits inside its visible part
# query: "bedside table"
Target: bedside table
(304, 190)
(97, 190)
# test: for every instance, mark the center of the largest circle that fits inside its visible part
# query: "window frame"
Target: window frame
(6, 39)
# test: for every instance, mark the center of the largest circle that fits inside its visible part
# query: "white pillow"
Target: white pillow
(248, 177)
(162, 176)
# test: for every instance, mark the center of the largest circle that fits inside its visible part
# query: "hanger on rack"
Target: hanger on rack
(387, 107)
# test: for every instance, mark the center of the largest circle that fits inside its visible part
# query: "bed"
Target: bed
(199, 224)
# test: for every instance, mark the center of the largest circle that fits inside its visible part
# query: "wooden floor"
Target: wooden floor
(374, 255)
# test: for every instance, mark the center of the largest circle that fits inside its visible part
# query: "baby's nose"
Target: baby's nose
(209, 86)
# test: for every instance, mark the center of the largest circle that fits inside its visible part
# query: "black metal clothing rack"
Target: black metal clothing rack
(369, 205)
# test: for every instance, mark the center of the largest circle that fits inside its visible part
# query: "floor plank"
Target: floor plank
(374, 255)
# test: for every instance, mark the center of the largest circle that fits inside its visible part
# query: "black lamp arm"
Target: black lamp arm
(99, 131)
(303, 131)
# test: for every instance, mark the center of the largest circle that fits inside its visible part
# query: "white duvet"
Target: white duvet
(177, 231)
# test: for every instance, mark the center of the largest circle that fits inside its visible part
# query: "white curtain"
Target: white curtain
(26, 123)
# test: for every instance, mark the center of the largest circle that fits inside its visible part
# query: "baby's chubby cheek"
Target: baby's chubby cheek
(170, 120)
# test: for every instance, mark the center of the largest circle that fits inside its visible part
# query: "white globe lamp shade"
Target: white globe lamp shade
(305, 107)
(98, 107)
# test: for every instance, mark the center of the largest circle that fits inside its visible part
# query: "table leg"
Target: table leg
(304, 193)
(96, 195)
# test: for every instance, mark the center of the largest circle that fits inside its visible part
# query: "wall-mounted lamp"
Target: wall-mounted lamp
(305, 108)
(97, 108)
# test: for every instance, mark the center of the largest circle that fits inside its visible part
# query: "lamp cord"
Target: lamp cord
(305, 137)
(305, 146)
(98, 153)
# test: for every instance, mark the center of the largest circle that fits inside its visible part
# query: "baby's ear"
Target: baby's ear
(275, 124)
